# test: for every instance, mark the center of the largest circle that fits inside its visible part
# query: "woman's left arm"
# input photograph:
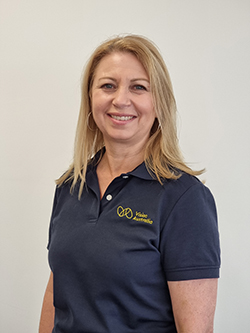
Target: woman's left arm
(193, 303)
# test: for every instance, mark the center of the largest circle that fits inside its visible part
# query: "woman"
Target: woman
(133, 244)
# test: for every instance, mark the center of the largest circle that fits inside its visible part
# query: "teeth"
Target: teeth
(122, 117)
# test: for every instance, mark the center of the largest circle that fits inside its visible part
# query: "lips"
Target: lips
(122, 118)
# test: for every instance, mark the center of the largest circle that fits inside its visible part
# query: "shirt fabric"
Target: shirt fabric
(112, 258)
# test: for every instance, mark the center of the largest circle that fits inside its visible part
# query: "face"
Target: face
(121, 100)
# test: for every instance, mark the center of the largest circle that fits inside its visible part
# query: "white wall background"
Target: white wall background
(43, 47)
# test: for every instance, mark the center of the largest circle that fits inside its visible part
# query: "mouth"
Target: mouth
(122, 118)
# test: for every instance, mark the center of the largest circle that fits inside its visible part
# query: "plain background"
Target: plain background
(44, 46)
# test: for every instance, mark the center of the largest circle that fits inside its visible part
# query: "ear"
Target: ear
(159, 124)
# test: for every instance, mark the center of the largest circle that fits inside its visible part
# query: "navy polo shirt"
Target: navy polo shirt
(112, 258)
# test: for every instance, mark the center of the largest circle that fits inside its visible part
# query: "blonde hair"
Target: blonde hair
(163, 158)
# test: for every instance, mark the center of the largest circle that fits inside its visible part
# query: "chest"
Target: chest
(122, 229)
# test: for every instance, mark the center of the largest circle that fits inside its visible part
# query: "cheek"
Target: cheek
(99, 102)
(99, 107)
(148, 105)
(148, 109)
(96, 106)
(151, 116)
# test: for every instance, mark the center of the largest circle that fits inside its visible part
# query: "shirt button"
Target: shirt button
(109, 197)
(125, 176)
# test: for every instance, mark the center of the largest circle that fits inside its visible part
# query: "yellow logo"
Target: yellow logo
(125, 212)
(139, 216)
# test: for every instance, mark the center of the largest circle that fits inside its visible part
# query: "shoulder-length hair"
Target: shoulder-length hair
(163, 158)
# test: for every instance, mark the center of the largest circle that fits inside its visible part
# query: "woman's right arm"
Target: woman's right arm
(48, 311)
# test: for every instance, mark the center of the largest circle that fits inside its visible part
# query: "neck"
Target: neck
(118, 160)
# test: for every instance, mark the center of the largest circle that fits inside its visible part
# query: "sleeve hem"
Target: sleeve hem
(193, 274)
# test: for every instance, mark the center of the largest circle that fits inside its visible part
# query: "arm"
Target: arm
(193, 303)
(47, 314)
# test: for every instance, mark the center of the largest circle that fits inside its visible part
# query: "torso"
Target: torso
(111, 258)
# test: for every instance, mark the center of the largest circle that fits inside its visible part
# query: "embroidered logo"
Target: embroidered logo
(128, 213)
(125, 212)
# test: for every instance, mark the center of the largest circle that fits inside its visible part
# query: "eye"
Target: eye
(139, 87)
(107, 86)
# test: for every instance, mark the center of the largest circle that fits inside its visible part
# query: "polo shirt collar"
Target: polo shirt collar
(140, 171)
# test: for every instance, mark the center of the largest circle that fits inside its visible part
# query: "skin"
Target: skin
(122, 102)
(122, 107)
(194, 304)
(47, 315)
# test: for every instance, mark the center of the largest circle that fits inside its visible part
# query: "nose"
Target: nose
(122, 97)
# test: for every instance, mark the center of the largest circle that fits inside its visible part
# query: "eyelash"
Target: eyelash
(111, 86)
(140, 87)
(107, 86)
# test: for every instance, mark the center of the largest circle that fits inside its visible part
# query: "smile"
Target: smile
(121, 117)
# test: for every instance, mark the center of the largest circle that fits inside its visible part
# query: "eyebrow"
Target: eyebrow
(133, 80)
(106, 78)
(140, 79)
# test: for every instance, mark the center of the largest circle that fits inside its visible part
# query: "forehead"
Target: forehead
(117, 62)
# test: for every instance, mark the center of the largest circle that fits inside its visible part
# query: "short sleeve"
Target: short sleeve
(189, 244)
